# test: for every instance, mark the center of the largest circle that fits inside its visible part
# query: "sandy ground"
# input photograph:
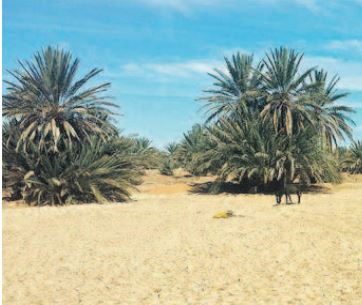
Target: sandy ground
(165, 248)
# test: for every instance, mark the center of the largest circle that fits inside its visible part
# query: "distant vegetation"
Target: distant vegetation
(266, 122)
(351, 159)
(271, 121)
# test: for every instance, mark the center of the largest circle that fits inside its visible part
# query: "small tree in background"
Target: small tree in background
(354, 158)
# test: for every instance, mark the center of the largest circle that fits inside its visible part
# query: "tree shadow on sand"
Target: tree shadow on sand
(215, 188)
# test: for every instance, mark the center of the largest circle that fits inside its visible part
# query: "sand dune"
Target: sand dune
(165, 248)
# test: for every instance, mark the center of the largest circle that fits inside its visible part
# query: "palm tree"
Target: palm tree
(282, 93)
(238, 87)
(51, 105)
(59, 144)
(288, 102)
(170, 159)
(83, 172)
(172, 150)
(148, 155)
(166, 167)
(194, 143)
(248, 152)
(331, 120)
(355, 159)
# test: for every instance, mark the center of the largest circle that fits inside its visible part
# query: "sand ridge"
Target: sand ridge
(165, 248)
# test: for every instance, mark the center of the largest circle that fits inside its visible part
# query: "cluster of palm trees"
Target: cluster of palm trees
(59, 142)
(185, 153)
(266, 122)
(350, 160)
(269, 122)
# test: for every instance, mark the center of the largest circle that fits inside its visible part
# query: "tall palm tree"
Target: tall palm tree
(271, 120)
(330, 118)
(238, 87)
(282, 93)
(288, 103)
(51, 105)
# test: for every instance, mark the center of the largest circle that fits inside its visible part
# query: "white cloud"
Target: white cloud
(345, 45)
(349, 71)
(171, 69)
(309, 4)
(184, 6)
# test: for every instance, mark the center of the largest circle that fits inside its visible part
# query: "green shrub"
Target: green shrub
(355, 158)
(166, 167)
(86, 172)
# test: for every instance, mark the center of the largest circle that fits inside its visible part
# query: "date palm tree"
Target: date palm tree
(282, 92)
(330, 118)
(91, 171)
(288, 102)
(147, 154)
(237, 87)
(194, 143)
(249, 152)
(355, 159)
(51, 105)
(246, 150)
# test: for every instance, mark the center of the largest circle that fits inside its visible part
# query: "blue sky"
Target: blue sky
(156, 53)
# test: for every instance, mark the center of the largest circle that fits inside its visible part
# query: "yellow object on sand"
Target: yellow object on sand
(224, 214)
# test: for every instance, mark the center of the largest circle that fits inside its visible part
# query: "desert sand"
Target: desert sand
(164, 247)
